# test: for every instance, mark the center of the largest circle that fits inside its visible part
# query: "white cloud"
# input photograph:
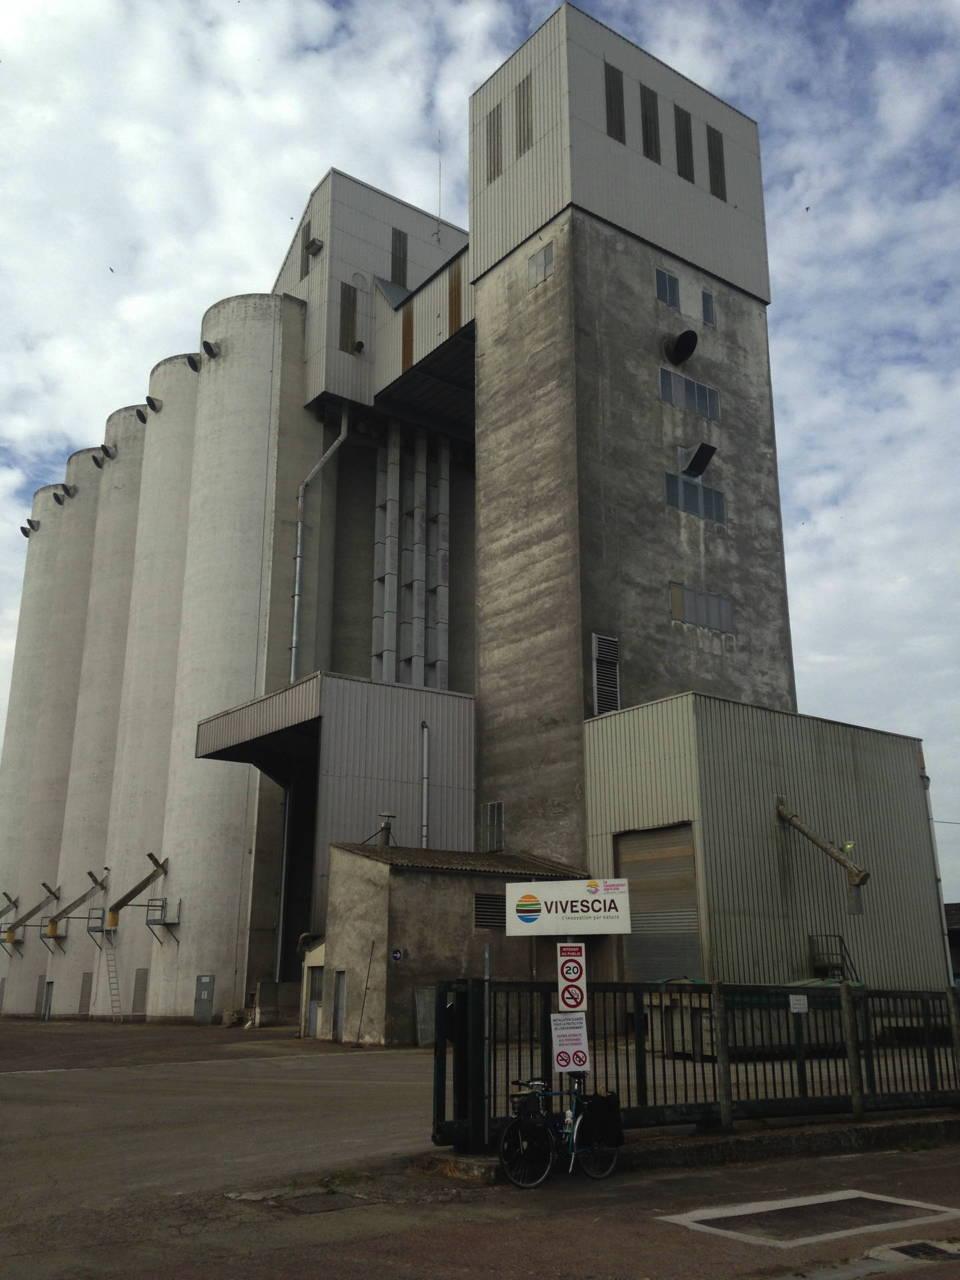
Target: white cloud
(176, 142)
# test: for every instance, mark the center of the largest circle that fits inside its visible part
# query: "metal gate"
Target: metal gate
(682, 1052)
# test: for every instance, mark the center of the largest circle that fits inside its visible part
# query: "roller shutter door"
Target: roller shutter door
(665, 922)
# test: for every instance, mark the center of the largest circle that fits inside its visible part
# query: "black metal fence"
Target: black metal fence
(683, 1052)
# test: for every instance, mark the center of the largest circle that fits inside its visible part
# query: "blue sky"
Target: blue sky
(176, 142)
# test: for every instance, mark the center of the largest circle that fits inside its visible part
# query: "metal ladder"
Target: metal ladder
(113, 980)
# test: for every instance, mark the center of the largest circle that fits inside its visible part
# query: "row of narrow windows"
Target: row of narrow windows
(650, 131)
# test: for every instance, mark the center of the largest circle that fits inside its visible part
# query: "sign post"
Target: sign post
(571, 977)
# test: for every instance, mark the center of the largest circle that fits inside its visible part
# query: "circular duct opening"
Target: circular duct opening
(58, 499)
(193, 363)
(681, 348)
(211, 349)
(97, 461)
(153, 404)
(141, 416)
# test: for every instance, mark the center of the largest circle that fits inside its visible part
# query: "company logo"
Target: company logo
(593, 886)
(528, 908)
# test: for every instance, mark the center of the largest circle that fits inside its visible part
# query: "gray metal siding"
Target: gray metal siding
(281, 710)
(370, 762)
(768, 888)
(535, 186)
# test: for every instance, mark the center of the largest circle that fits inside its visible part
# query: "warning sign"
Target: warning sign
(571, 1051)
(572, 975)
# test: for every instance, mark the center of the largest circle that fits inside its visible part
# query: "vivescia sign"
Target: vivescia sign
(568, 906)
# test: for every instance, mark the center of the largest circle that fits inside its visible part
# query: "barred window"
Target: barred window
(700, 608)
(685, 393)
(668, 289)
(494, 143)
(686, 493)
(524, 103)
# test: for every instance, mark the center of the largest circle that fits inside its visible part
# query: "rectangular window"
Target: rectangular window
(489, 911)
(606, 674)
(709, 310)
(455, 296)
(700, 608)
(398, 258)
(524, 115)
(406, 336)
(304, 256)
(348, 317)
(718, 176)
(684, 130)
(494, 144)
(683, 392)
(688, 494)
(613, 83)
(540, 266)
(668, 289)
(650, 123)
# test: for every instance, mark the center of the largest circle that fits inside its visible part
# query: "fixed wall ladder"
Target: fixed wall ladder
(113, 980)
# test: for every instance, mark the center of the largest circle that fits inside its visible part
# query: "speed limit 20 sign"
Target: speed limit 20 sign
(571, 977)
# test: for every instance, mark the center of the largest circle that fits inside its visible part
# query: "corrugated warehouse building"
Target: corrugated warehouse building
(481, 532)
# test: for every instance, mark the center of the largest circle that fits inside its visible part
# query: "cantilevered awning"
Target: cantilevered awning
(278, 732)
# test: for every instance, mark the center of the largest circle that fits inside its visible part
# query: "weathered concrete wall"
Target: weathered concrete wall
(529, 673)
(632, 545)
(83, 845)
(432, 924)
(356, 922)
(52, 696)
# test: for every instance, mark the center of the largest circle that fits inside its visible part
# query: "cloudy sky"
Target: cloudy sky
(154, 156)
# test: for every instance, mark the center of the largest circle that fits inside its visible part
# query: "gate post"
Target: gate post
(721, 1049)
(476, 1064)
(954, 1010)
(852, 1041)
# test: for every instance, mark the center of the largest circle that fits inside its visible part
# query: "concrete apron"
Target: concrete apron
(673, 1151)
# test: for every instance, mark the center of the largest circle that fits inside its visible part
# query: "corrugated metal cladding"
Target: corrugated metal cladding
(424, 322)
(640, 772)
(281, 710)
(621, 184)
(664, 942)
(371, 762)
(763, 890)
(769, 889)
(534, 184)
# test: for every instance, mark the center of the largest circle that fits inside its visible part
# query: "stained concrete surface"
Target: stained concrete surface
(123, 1169)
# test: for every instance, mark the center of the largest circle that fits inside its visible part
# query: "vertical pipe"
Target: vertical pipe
(391, 557)
(443, 566)
(424, 785)
(419, 575)
(379, 567)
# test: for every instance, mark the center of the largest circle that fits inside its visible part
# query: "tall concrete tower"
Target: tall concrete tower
(629, 541)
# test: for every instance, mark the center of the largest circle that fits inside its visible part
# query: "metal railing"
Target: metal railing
(686, 1052)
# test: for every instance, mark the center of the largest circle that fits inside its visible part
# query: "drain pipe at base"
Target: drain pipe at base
(298, 554)
(425, 785)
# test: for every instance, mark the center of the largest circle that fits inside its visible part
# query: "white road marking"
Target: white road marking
(701, 1219)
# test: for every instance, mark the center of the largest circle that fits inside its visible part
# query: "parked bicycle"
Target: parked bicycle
(589, 1131)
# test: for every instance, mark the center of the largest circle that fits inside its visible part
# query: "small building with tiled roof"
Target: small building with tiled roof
(399, 920)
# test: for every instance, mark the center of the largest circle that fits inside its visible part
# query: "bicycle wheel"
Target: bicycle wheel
(597, 1157)
(527, 1152)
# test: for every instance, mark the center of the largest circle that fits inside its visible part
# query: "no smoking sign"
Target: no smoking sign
(571, 977)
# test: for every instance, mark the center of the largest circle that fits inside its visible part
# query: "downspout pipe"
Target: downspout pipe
(424, 785)
(298, 554)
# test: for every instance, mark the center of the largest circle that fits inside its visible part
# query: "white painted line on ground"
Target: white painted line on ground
(700, 1219)
(192, 1062)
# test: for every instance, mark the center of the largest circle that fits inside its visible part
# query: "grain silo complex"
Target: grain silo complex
(475, 539)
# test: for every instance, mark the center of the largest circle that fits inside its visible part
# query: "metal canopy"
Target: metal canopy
(439, 389)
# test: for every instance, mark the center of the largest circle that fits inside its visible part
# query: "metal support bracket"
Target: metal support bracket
(158, 918)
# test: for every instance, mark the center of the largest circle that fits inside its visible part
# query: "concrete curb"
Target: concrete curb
(648, 1154)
